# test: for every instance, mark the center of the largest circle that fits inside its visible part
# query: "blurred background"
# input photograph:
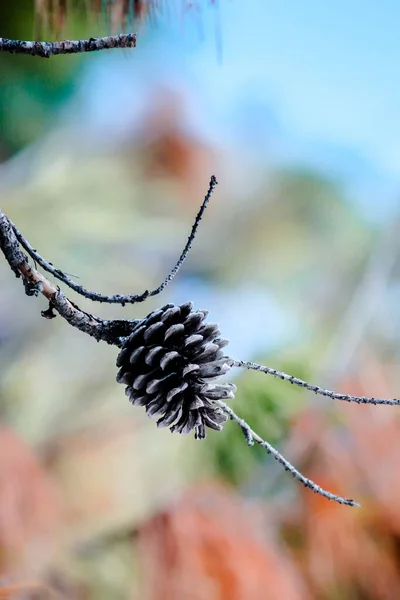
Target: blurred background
(105, 160)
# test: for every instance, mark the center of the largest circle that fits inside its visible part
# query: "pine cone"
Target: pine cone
(170, 363)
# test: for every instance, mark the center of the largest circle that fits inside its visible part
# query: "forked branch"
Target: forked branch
(35, 283)
(125, 333)
(122, 333)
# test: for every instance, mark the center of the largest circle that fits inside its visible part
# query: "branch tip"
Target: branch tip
(250, 434)
(118, 298)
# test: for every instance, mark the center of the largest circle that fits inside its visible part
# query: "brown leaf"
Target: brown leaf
(342, 549)
(29, 508)
(210, 545)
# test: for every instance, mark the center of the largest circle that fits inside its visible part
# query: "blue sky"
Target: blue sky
(330, 70)
(320, 81)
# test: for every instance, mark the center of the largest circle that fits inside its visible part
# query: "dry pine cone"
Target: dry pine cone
(170, 364)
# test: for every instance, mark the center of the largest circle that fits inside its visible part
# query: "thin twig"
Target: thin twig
(314, 388)
(119, 298)
(250, 434)
(47, 49)
(35, 283)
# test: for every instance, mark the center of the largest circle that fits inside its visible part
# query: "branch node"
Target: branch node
(49, 312)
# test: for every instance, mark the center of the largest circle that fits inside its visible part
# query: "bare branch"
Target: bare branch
(35, 283)
(47, 49)
(119, 298)
(314, 388)
(251, 437)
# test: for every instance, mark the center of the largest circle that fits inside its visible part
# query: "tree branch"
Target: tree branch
(119, 298)
(47, 49)
(251, 437)
(314, 388)
(35, 283)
